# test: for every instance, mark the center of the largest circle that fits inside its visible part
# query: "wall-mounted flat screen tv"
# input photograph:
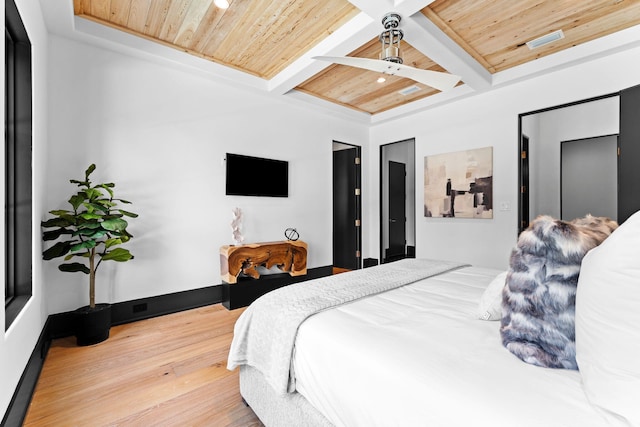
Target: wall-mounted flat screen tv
(256, 176)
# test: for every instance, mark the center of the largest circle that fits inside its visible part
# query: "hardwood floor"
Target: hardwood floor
(166, 371)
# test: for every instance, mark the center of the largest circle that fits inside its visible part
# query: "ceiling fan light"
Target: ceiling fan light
(222, 4)
(381, 79)
(390, 39)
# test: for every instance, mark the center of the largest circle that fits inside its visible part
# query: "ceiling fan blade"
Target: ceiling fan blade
(366, 63)
(435, 79)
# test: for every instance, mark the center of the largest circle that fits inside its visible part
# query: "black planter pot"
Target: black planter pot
(92, 324)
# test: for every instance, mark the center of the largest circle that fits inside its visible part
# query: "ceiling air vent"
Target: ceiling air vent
(546, 39)
(409, 90)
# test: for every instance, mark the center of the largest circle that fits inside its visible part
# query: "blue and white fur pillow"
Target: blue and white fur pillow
(538, 300)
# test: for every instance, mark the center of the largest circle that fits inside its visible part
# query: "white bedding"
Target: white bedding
(418, 356)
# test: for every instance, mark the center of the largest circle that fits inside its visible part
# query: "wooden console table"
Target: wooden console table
(289, 256)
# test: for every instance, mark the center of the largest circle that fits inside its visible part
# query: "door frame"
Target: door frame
(524, 220)
(357, 196)
(410, 193)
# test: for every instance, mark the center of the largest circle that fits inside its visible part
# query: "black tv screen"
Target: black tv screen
(256, 176)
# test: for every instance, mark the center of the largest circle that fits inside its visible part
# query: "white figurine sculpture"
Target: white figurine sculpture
(236, 226)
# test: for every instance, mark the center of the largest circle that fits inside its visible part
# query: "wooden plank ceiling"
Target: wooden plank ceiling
(265, 37)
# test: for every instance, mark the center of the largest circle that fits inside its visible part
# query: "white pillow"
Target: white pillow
(490, 307)
(608, 323)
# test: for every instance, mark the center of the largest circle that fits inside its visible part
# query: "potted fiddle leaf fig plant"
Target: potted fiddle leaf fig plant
(91, 232)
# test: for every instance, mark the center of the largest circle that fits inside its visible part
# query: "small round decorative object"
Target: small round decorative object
(291, 234)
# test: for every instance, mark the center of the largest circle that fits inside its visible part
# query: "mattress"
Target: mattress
(418, 356)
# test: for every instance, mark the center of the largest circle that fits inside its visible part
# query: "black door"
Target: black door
(346, 209)
(629, 145)
(397, 211)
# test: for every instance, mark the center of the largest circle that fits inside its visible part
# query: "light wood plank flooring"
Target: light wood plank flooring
(166, 371)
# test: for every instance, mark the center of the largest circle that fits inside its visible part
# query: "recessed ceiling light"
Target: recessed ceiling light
(222, 4)
(381, 80)
(546, 39)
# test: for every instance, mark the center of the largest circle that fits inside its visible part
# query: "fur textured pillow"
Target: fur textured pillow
(538, 300)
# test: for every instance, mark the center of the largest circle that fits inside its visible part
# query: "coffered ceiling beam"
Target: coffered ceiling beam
(358, 31)
(425, 36)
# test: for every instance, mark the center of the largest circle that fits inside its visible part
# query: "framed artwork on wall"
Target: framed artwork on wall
(459, 184)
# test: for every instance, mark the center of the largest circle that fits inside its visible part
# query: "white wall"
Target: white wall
(489, 119)
(18, 342)
(161, 133)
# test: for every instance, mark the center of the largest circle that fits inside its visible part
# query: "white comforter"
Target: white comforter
(417, 356)
(264, 335)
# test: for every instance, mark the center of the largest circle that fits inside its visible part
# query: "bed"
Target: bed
(404, 344)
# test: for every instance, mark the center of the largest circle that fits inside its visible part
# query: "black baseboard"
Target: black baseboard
(369, 262)
(247, 289)
(61, 324)
(411, 251)
(17, 410)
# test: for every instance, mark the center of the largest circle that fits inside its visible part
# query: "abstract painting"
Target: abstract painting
(459, 184)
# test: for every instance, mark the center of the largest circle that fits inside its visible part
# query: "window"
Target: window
(17, 167)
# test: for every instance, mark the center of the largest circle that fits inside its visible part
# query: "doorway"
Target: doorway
(543, 132)
(397, 200)
(347, 209)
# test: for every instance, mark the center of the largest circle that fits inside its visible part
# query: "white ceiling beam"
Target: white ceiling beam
(358, 31)
(425, 36)
(406, 8)
(376, 9)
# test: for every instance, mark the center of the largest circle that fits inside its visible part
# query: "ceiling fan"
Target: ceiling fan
(390, 61)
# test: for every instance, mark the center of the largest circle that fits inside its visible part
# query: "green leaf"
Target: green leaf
(80, 183)
(112, 242)
(124, 236)
(88, 225)
(89, 170)
(108, 186)
(83, 245)
(54, 234)
(88, 216)
(91, 234)
(74, 267)
(103, 204)
(127, 213)
(61, 212)
(117, 254)
(57, 250)
(56, 222)
(112, 215)
(123, 201)
(115, 224)
(93, 193)
(76, 200)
